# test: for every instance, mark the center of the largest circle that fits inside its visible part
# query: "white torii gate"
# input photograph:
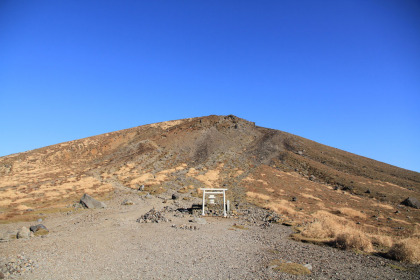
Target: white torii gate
(214, 191)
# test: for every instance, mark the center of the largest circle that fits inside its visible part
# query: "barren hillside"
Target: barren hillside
(291, 175)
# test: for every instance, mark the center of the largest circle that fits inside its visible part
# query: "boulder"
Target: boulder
(175, 196)
(23, 233)
(89, 202)
(127, 202)
(39, 229)
(411, 202)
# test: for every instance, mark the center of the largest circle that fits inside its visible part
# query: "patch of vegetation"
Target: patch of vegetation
(407, 250)
(41, 232)
(330, 229)
(397, 267)
(154, 189)
(273, 251)
(317, 241)
(290, 268)
(235, 226)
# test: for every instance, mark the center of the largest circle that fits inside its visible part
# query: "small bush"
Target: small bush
(407, 250)
(338, 230)
(354, 239)
(382, 240)
(317, 230)
(325, 225)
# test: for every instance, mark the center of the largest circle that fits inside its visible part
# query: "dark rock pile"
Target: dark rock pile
(256, 215)
(152, 216)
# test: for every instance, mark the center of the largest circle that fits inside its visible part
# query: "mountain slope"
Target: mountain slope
(292, 175)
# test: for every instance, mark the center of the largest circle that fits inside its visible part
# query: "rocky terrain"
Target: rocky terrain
(327, 196)
(112, 243)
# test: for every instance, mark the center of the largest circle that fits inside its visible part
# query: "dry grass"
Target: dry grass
(282, 207)
(41, 232)
(310, 196)
(352, 213)
(381, 240)
(258, 195)
(407, 250)
(416, 231)
(332, 229)
(353, 239)
(154, 189)
(327, 226)
(290, 268)
(235, 226)
(186, 189)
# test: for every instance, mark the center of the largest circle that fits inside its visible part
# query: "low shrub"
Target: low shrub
(325, 225)
(338, 230)
(381, 240)
(407, 250)
(353, 239)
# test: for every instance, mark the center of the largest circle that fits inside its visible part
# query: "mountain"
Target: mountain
(291, 175)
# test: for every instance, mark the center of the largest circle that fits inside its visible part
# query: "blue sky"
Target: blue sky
(342, 73)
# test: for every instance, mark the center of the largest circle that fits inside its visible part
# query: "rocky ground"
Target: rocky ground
(138, 237)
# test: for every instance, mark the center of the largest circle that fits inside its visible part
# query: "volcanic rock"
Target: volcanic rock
(89, 202)
(23, 233)
(411, 202)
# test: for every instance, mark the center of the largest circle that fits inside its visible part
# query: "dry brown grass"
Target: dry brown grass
(258, 195)
(290, 268)
(186, 189)
(353, 239)
(282, 207)
(407, 250)
(327, 226)
(416, 231)
(235, 226)
(350, 212)
(381, 240)
(154, 189)
(332, 229)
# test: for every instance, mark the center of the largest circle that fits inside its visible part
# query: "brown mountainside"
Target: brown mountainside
(289, 174)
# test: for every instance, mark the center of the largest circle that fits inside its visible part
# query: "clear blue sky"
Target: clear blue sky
(342, 73)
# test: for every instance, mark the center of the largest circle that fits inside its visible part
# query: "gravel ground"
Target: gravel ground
(110, 244)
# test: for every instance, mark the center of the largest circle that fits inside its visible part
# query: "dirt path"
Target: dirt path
(110, 244)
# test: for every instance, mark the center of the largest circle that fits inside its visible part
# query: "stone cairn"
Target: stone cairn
(152, 216)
